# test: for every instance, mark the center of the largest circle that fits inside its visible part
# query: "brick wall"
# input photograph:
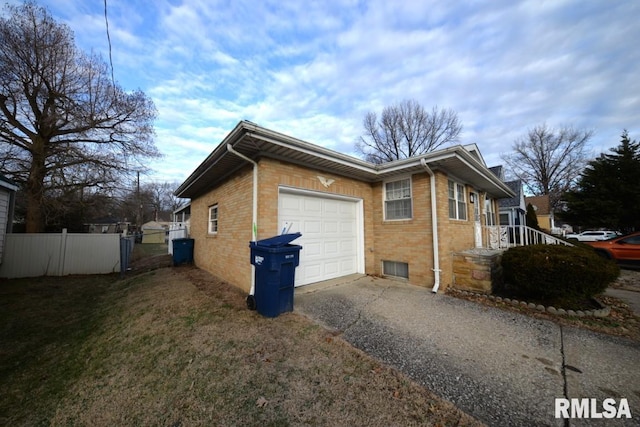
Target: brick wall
(410, 240)
(226, 254)
(274, 173)
(453, 235)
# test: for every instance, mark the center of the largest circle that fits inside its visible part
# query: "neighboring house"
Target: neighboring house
(8, 190)
(512, 210)
(179, 228)
(543, 211)
(181, 217)
(106, 225)
(354, 216)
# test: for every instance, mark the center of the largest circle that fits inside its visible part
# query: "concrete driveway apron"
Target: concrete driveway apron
(501, 367)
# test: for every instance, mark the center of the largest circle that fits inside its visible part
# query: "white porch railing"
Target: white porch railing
(504, 237)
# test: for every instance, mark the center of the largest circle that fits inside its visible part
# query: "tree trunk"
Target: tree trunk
(35, 189)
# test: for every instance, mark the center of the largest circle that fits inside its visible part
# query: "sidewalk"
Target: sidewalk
(627, 289)
(500, 367)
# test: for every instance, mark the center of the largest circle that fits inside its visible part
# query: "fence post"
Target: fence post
(63, 254)
(126, 247)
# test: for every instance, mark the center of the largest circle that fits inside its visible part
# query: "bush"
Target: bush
(549, 273)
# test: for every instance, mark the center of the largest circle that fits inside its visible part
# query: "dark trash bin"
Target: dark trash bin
(182, 251)
(275, 260)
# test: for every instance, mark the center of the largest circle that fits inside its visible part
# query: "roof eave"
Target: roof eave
(255, 141)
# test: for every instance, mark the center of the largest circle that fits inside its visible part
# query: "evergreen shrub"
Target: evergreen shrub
(550, 273)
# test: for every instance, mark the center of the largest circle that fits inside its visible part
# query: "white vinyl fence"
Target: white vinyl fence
(43, 254)
(177, 230)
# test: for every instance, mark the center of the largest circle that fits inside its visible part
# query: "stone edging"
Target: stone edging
(601, 312)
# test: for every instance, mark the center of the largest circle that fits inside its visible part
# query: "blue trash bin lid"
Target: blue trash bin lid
(277, 241)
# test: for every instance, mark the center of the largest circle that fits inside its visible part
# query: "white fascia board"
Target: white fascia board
(469, 163)
(211, 160)
(181, 208)
(373, 171)
(319, 152)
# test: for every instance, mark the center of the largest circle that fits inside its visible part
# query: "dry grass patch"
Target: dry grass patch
(176, 347)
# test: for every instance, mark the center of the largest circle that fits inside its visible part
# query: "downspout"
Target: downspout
(434, 226)
(254, 225)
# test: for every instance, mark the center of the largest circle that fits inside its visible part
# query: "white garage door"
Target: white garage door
(329, 235)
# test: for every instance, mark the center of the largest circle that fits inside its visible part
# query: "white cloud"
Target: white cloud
(313, 69)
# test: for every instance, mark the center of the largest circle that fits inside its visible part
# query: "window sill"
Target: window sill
(397, 221)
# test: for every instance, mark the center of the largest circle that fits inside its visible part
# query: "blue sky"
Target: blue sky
(313, 69)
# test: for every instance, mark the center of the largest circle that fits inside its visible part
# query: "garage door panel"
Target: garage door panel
(311, 273)
(312, 249)
(331, 207)
(331, 227)
(331, 249)
(290, 203)
(347, 228)
(311, 227)
(347, 264)
(312, 204)
(347, 247)
(331, 268)
(348, 210)
(329, 235)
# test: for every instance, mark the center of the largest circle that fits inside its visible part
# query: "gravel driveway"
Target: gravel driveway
(501, 367)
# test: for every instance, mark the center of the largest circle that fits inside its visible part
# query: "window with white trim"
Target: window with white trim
(397, 199)
(504, 219)
(490, 212)
(457, 201)
(213, 219)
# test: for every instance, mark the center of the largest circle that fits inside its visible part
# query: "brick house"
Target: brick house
(354, 216)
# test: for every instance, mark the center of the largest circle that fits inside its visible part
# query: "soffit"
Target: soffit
(256, 142)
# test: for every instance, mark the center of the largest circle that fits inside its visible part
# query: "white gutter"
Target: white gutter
(434, 226)
(254, 225)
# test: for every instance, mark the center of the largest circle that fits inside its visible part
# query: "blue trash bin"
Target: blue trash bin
(275, 261)
(182, 251)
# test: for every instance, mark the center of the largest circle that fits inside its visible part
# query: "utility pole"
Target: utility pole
(139, 221)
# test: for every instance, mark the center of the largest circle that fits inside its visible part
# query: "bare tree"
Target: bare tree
(406, 130)
(162, 199)
(63, 121)
(549, 161)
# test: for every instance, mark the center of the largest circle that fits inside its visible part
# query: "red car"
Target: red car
(624, 249)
